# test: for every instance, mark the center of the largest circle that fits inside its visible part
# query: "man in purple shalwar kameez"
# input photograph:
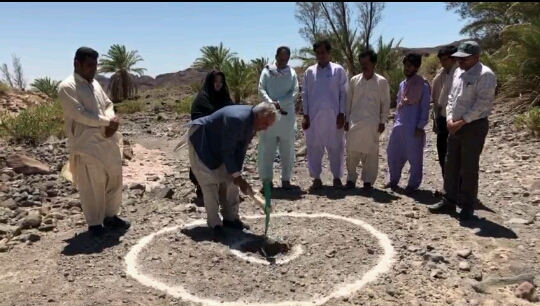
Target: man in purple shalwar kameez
(324, 95)
(407, 139)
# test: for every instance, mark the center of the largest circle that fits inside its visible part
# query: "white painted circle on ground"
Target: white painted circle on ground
(344, 290)
(234, 249)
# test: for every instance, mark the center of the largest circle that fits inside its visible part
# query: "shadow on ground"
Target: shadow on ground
(84, 243)
(377, 195)
(487, 228)
(421, 196)
(238, 240)
(329, 192)
(232, 237)
(293, 194)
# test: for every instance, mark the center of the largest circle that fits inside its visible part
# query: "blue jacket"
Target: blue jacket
(223, 137)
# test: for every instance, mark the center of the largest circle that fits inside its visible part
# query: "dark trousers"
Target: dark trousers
(442, 138)
(463, 163)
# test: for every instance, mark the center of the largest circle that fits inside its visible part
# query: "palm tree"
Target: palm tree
(488, 19)
(240, 79)
(338, 55)
(47, 86)
(258, 64)
(214, 57)
(519, 64)
(121, 63)
(389, 65)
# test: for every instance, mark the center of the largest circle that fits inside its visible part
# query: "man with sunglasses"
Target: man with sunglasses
(470, 102)
(278, 84)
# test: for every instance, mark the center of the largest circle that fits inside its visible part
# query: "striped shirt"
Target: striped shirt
(472, 94)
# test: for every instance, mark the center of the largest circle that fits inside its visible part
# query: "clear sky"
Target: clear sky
(169, 35)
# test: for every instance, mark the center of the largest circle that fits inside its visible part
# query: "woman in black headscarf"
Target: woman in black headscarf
(213, 96)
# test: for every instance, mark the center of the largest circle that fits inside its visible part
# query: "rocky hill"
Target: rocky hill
(431, 50)
(180, 78)
(13, 101)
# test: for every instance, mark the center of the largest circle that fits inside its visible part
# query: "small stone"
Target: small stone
(464, 265)
(464, 253)
(527, 292)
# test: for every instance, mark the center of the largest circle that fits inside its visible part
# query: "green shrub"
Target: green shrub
(130, 106)
(429, 67)
(3, 88)
(529, 120)
(35, 124)
(183, 106)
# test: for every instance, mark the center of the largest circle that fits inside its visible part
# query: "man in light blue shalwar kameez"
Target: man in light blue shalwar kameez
(279, 84)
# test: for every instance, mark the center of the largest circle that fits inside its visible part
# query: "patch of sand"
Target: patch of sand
(147, 167)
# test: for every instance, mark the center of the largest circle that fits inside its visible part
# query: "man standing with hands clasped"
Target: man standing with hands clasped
(95, 157)
(324, 95)
(368, 105)
(469, 104)
(278, 84)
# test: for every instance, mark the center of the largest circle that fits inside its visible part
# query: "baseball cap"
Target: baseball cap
(466, 49)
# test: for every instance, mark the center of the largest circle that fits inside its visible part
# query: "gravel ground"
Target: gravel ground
(48, 260)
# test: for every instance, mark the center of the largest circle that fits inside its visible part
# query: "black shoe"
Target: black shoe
(236, 224)
(466, 214)
(337, 183)
(116, 223)
(368, 186)
(350, 185)
(96, 230)
(286, 185)
(218, 233)
(410, 190)
(317, 184)
(443, 207)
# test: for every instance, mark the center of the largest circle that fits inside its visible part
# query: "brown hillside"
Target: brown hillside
(13, 101)
(431, 50)
(180, 78)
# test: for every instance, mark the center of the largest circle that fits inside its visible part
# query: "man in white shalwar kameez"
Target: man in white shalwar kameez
(368, 105)
(324, 95)
(95, 154)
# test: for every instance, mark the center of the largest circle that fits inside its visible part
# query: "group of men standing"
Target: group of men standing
(338, 115)
(341, 115)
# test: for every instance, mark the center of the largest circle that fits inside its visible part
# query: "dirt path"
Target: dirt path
(435, 259)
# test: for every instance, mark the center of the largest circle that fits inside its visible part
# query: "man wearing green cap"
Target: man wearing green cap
(469, 104)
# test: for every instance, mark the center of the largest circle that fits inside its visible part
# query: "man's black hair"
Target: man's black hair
(283, 48)
(83, 53)
(325, 43)
(369, 53)
(414, 58)
(447, 51)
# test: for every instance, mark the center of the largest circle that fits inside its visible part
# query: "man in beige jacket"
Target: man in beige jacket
(95, 156)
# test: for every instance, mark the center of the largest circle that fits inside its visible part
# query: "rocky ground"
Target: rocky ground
(14, 101)
(46, 258)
